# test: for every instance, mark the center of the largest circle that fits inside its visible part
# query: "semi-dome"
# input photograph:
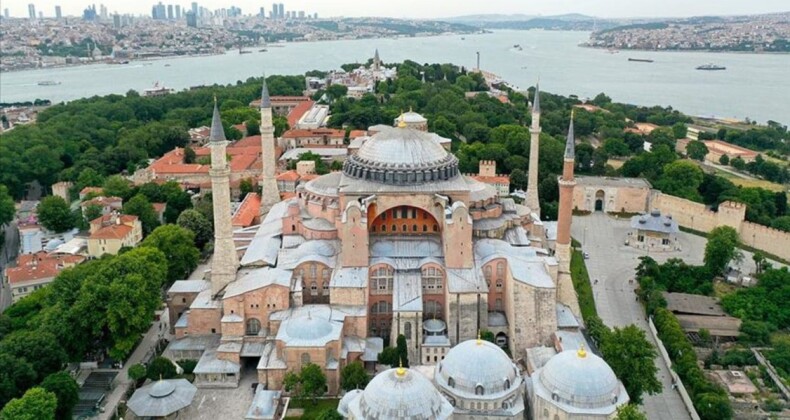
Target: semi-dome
(400, 394)
(477, 367)
(310, 328)
(581, 380)
(402, 156)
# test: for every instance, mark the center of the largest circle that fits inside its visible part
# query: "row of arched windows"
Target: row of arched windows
(405, 228)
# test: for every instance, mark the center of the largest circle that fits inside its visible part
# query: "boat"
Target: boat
(158, 90)
(167, 65)
(48, 83)
(711, 67)
(263, 50)
(640, 60)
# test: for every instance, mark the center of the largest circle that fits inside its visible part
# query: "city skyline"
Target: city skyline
(440, 9)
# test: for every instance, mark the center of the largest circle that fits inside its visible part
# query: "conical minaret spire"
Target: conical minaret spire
(225, 261)
(565, 292)
(270, 193)
(534, 156)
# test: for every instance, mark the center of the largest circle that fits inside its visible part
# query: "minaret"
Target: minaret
(225, 261)
(270, 195)
(565, 292)
(534, 152)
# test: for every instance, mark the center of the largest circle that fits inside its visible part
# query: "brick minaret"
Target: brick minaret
(270, 195)
(534, 152)
(225, 261)
(565, 292)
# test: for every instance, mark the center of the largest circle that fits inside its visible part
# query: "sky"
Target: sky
(434, 8)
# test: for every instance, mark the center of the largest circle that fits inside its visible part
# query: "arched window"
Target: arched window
(435, 227)
(394, 228)
(424, 228)
(407, 330)
(432, 309)
(507, 384)
(314, 289)
(381, 281)
(432, 280)
(500, 269)
(451, 382)
(414, 228)
(293, 228)
(305, 359)
(383, 228)
(479, 390)
(487, 273)
(253, 326)
(404, 228)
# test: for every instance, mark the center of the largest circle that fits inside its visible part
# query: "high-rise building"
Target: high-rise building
(262, 12)
(89, 14)
(191, 19)
(159, 12)
(194, 8)
(301, 14)
(116, 21)
(281, 11)
(275, 11)
(5, 13)
(170, 14)
(103, 11)
(178, 12)
(31, 11)
(58, 13)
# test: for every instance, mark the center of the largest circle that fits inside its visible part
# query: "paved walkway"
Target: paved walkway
(613, 263)
(142, 352)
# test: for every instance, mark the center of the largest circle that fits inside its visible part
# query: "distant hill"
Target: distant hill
(566, 22)
(487, 18)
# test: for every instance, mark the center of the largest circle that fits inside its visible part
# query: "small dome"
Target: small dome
(474, 364)
(580, 379)
(411, 117)
(434, 326)
(309, 328)
(342, 407)
(161, 389)
(400, 394)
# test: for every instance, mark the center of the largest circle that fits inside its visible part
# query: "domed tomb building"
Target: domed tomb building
(398, 242)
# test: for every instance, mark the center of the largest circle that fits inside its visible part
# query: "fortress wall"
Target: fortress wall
(767, 239)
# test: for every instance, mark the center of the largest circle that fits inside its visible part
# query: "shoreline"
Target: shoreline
(593, 47)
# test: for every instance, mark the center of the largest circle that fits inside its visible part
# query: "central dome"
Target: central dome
(309, 328)
(581, 379)
(400, 394)
(402, 156)
(474, 364)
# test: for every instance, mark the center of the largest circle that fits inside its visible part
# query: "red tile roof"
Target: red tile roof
(289, 176)
(318, 132)
(89, 190)
(102, 201)
(298, 112)
(499, 179)
(39, 266)
(357, 133)
(248, 211)
(106, 229)
(111, 232)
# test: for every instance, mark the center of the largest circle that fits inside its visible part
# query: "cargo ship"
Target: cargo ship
(711, 67)
(640, 60)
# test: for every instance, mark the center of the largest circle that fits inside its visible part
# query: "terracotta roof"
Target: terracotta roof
(287, 195)
(309, 177)
(289, 176)
(248, 210)
(729, 148)
(298, 112)
(107, 218)
(277, 100)
(111, 232)
(249, 141)
(39, 266)
(318, 132)
(88, 190)
(499, 179)
(102, 201)
(357, 133)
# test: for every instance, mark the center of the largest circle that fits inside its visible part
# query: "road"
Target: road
(8, 254)
(613, 263)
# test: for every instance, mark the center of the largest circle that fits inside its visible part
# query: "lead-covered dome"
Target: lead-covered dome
(582, 380)
(309, 328)
(402, 156)
(477, 367)
(400, 394)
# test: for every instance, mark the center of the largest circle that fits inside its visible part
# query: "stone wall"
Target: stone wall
(697, 217)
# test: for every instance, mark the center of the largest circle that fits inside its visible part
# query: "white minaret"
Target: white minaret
(225, 261)
(534, 152)
(270, 195)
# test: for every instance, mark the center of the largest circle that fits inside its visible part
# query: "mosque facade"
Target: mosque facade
(397, 243)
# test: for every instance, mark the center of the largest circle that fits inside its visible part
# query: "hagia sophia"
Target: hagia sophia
(397, 243)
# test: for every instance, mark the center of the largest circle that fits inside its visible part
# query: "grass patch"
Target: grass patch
(721, 289)
(581, 283)
(750, 182)
(311, 411)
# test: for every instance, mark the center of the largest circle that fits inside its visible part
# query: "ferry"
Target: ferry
(711, 67)
(158, 90)
(48, 83)
(640, 60)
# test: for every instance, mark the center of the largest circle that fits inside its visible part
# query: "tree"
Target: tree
(161, 368)
(403, 352)
(246, 187)
(197, 223)
(117, 186)
(40, 349)
(724, 160)
(759, 261)
(329, 414)
(66, 391)
(36, 404)
(722, 247)
(7, 209)
(682, 179)
(189, 155)
(92, 212)
(388, 356)
(518, 179)
(337, 91)
(16, 375)
(313, 381)
(697, 150)
(738, 163)
(54, 214)
(632, 358)
(140, 206)
(630, 412)
(679, 130)
(353, 376)
(137, 373)
(178, 246)
(616, 147)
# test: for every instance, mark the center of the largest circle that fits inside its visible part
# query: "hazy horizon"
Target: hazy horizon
(441, 9)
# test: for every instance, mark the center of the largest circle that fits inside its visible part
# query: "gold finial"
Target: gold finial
(400, 371)
(160, 376)
(581, 353)
(479, 338)
(402, 122)
(410, 108)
